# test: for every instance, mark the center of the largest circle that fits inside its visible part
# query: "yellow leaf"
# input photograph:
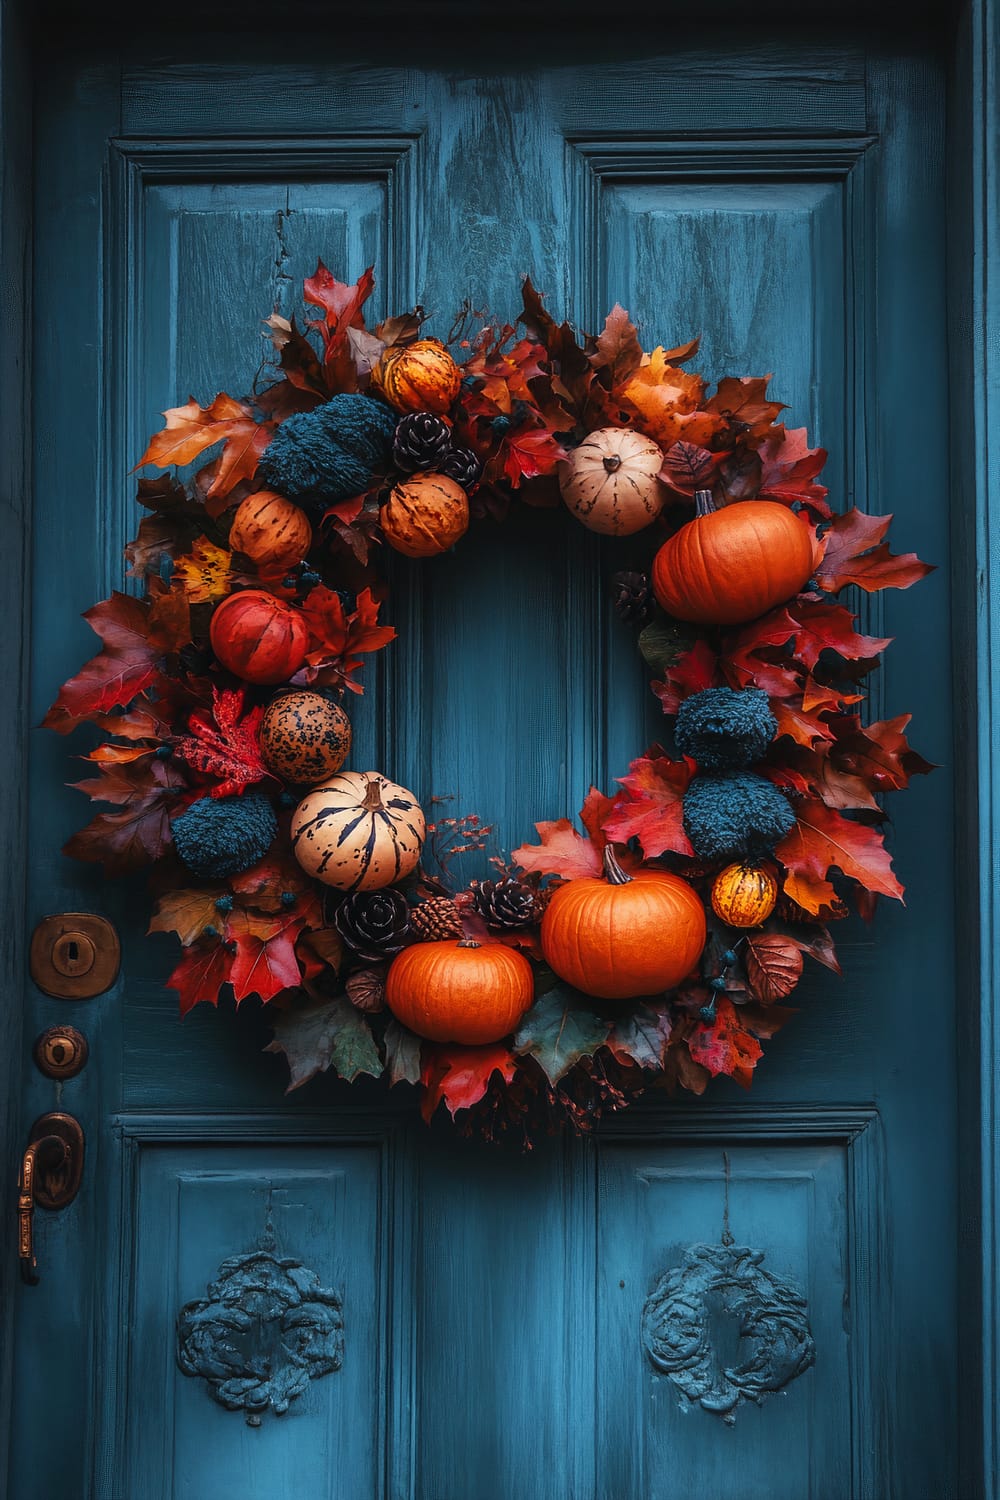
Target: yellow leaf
(188, 912)
(204, 572)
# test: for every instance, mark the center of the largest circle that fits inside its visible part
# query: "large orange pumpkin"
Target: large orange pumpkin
(358, 831)
(728, 566)
(619, 938)
(460, 992)
(744, 896)
(610, 482)
(270, 530)
(259, 638)
(421, 376)
(425, 515)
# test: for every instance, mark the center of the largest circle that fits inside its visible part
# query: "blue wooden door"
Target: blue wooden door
(481, 1320)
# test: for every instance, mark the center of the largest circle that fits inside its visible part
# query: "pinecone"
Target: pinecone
(505, 903)
(632, 597)
(435, 920)
(421, 442)
(542, 899)
(376, 924)
(462, 465)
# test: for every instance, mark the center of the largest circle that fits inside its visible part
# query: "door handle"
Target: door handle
(51, 1170)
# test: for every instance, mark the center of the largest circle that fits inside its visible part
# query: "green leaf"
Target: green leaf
(642, 1037)
(402, 1054)
(327, 1034)
(663, 642)
(558, 1030)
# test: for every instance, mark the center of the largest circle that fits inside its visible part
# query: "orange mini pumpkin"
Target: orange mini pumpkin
(304, 738)
(744, 896)
(358, 831)
(610, 482)
(421, 376)
(270, 530)
(258, 637)
(425, 515)
(731, 565)
(460, 992)
(619, 938)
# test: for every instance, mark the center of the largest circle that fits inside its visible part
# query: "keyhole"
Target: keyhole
(58, 1053)
(74, 952)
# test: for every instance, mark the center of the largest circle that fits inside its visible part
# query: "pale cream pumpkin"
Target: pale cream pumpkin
(358, 831)
(610, 482)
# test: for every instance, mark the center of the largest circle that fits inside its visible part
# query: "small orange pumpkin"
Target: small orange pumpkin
(732, 565)
(744, 896)
(258, 637)
(619, 938)
(460, 992)
(421, 376)
(358, 831)
(270, 530)
(304, 738)
(610, 481)
(425, 515)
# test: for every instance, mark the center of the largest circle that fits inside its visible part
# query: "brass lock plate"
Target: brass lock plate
(61, 1052)
(74, 956)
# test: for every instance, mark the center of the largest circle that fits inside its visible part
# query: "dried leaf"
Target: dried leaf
(204, 572)
(128, 664)
(725, 1046)
(822, 840)
(325, 1034)
(225, 744)
(460, 1076)
(200, 975)
(855, 552)
(562, 851)
(558, 1030)
(653, 805)
(642, 1037)
(189, 912)
(774, 966)
(402, 1054)
(139, 834)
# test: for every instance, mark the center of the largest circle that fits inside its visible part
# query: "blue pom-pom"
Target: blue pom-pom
(723, 729)
(735, 816)
(329, 454)
(219, 837)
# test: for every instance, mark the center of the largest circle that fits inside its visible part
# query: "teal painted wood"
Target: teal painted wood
(506, 1356)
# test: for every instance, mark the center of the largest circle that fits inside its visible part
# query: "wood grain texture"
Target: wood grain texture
(789, 195)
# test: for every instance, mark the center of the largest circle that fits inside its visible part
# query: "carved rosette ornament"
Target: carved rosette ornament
(266, 1328)
(682, 1313)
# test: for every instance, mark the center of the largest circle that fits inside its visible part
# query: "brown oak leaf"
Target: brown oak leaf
(823, 840)
(856, 552)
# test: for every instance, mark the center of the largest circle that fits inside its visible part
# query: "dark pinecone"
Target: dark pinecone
(632, 597)
(462, 465)
(505, 903)
(421, 442)
(435, 920)
(376, 924)
(542, 899)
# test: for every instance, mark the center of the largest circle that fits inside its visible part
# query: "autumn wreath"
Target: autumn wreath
(654, 948)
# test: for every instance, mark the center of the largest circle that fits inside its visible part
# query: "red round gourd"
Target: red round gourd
(731, 565)
(270, 530)
(460, 992)
(258, 637)
(619, 938)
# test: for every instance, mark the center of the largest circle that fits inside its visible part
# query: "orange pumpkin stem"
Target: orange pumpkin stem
(469, 943)
(703, 503)
(373, 797)
(613, 872)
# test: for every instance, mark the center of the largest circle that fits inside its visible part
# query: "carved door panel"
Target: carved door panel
(258, 1295)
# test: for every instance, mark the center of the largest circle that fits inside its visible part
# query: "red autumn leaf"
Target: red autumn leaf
(140, 833)
(829, 627)
(200, 975)
(856, 552)
(745, 399)
(789, 467)
(341, 302)
(338, 638)
(725, 1046)
(618, 349)
(264, 963)
(696, 670)
(267, 884)
(461, 1075)
(562, 851)
(818, 776)
(823, 840)
(804, 728)
(593, 813)
(687, 468)
(572, 370)
(653, 807)
(529, 453)
(774, 966)
(879, 753)
(128, 664)
(226, 743)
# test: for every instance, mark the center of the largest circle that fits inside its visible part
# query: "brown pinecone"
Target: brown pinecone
(435, 920)
(505, 903)
(542, 899)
